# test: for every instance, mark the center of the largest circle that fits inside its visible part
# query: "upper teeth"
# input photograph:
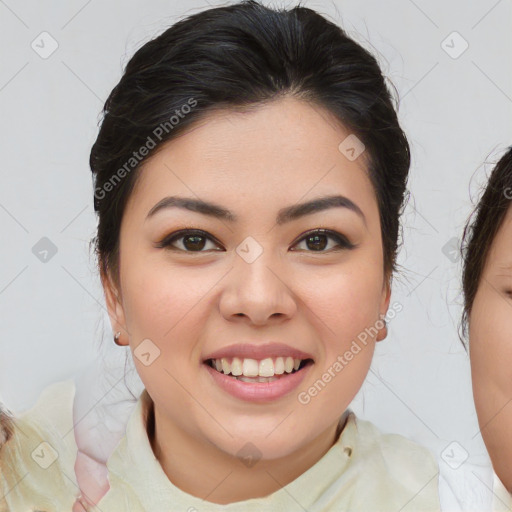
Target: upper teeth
(252, 368)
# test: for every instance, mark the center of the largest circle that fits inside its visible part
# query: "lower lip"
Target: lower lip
(259, 391)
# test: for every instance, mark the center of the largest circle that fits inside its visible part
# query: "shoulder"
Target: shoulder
(397, 467)
(38, 452)
(501, 499)
(397, 449)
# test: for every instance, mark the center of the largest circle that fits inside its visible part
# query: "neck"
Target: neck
(221, 478)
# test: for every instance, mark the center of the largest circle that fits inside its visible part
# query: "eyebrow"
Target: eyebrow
(284, 215)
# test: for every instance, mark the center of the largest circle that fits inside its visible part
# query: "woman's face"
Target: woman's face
(490, 339)
(253, 279)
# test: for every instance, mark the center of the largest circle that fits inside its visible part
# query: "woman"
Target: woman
(250, 173)
(487, 317)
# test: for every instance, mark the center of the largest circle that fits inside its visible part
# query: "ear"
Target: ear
(386, 297)
(115, 308)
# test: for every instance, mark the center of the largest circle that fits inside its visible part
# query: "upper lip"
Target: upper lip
(258, 351)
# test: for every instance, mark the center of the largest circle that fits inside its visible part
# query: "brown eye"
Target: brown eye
(194, 240)
(318, 240)
(190, 240)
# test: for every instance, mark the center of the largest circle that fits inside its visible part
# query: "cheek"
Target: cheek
(165, 305)
(343, 308)
(346, 301)
(491, 342)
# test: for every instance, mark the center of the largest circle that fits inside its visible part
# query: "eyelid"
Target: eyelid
(165, 243)
(342, 240)
(343, 243)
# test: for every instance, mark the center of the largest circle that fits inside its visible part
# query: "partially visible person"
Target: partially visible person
(487, 319)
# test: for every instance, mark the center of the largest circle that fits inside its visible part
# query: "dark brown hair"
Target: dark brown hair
(239, 57)
(481, 229)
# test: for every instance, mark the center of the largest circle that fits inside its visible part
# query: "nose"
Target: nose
(259, 292)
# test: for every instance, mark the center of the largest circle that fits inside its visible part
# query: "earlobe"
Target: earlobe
(383, 332)
(117, 340)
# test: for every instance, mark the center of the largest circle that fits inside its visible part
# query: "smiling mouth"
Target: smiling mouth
(258, 378)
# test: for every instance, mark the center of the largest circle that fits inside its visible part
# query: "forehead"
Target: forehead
(283, 152)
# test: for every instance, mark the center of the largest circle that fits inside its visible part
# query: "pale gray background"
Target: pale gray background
(457, 113)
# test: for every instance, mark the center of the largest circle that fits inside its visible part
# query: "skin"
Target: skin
(192, 303)
(490, 328)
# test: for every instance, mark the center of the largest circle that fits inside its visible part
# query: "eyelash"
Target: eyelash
(342, 241)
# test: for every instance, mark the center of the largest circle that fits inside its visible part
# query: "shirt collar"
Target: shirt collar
(134, 463)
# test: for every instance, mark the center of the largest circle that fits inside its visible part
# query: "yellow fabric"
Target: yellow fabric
(364, 470)
(37, 463)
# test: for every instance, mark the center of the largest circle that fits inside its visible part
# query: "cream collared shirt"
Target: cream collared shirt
(364, 470)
